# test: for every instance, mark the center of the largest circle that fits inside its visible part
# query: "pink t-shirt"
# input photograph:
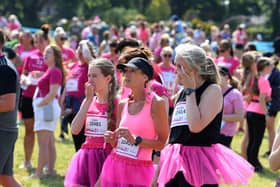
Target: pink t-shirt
(143, 35)
(167, 75)
(22, 53)
(232, 101)
(76, 79)
(231, 63)
(264, 88)
(34, 62)
(14, 26)
(52, 76)
(157, 53)
(68, 55)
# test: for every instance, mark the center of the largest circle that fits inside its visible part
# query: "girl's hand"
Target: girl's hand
(110, 137)
(125, 133)
(89, 90)
(186, 76)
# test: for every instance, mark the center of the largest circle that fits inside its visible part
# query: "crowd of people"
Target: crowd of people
(136, 101)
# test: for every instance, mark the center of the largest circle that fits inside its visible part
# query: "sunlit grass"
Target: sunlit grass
(65, 151)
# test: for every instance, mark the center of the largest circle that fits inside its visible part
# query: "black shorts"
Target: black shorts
(272, 112)
(26, 107)
(7, 145)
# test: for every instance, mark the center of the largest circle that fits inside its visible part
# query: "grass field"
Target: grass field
(65, 151)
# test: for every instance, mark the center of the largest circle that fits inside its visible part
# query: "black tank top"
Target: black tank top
(180, 132)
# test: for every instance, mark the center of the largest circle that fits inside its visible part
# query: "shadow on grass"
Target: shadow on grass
(56, 180)
(267, 173)
(65, 141)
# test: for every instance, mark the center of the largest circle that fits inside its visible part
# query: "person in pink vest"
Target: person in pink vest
(96, 115)
(141, 127)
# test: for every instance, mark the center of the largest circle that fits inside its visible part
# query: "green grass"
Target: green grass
(65, 151)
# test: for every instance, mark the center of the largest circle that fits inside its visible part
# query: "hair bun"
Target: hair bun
(45, 28)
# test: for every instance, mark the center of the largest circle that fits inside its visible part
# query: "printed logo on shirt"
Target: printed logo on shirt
(168, 79)
(96, 126)
(71, 85)
(127, 149)
(225, 64)
(179, 117)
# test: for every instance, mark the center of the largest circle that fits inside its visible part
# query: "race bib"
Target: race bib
(179, 117)
(72, 85)
(124, 148)
(96, 126)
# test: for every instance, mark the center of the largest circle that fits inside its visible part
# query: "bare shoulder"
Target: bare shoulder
(157, 102)
(122, 103)
(214, 89)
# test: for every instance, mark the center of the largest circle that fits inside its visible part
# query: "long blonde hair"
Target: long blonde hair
(196, 57)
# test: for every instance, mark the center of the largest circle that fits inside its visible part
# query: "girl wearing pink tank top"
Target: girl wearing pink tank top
(142, 127)
(96, 115)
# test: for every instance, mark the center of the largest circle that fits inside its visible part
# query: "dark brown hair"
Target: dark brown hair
(44, 32)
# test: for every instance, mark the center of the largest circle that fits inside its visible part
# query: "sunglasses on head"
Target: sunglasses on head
(167, 55)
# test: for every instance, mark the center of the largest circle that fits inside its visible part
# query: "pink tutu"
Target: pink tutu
(85, 167)
(120, 171)
(204, 165)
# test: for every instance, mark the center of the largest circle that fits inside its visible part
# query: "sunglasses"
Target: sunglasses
(222, 50)
(63, 38)
(167, 55)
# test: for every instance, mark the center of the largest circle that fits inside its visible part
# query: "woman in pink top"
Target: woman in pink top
(142, 126)
(249, 66)
(167, 69)
(164, 42)
(257, 110)
(33, 68)
(47, 109)
(73, 93)
(233, 107)
(226, 57)
(96, 115)
(24, 48)
(68, 54)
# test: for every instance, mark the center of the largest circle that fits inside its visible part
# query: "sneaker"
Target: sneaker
(61, 137)
(67, 112)
(34, 176)
(25, 165)
(266, 154)
(259, 169)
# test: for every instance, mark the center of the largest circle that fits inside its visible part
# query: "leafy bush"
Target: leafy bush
(120, 15)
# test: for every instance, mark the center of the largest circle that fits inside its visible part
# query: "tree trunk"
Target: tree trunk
(275, 19)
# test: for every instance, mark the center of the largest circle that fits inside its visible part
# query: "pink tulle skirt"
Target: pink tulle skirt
(204, 165)
(85, 167)
(120, 171)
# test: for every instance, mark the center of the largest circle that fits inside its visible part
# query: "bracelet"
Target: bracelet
(189, 91)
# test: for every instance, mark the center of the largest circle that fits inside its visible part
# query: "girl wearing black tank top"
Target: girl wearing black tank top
(193, 157)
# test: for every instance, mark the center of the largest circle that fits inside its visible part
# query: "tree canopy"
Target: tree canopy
(35, 12)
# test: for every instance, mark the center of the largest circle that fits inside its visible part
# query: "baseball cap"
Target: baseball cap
(139, 63)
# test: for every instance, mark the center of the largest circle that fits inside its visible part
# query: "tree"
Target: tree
(158, 10)
(275, 18)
